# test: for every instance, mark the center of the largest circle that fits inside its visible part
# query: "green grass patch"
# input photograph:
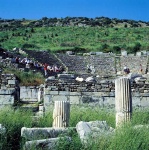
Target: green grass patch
(125, 137)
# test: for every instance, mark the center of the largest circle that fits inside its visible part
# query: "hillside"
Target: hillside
(75, 33)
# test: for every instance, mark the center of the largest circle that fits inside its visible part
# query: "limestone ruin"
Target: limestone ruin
(123, 100)
(64, 90)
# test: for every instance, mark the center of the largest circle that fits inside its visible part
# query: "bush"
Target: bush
(30, 78)
(136, 47)
(116, 49)
(105, 48)
(27, 78)
(26, 46)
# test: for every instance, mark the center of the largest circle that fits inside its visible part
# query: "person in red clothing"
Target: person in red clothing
(45, 69)
(17, 60)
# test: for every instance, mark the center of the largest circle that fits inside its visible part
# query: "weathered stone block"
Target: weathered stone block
(11, 81)
(74, 99)
(47, 90)
(67, 76)
(53, 92)
(111, 93)
(144, 94)
(28, 92)
(144, 102)
(48, 103)
(109, 102)
(39, 133)
(86, 99)
(75, 93)
(105, 90)
(93, 129)
(47, 99)
(136, 102)
(29, 100)
(47, 144)
(59, 98)
(64, 93)
(7, 91)
(6, 99)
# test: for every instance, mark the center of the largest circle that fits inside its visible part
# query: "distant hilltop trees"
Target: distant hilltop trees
(70, 21)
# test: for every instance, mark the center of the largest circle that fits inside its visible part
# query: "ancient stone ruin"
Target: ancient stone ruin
(102, 84)
(123, 100)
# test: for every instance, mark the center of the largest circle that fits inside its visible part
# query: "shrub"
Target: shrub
(116, 49)
(30, 78)
(26, 45)
(27, 78)
(136, 47)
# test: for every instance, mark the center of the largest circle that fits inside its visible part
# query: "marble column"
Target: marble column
(61, 114)
(123, 100)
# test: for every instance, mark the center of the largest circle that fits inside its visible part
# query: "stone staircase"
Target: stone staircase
(43, 57)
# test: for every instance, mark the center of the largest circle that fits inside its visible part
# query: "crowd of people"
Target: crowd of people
(30, 64)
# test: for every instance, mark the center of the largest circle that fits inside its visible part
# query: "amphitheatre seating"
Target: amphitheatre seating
(103, 65)
(133, 63)
(74, 63)
(43, 57)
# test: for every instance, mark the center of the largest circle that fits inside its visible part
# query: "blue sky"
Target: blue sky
(36, 9)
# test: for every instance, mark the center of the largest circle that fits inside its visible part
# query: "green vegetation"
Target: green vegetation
(99, 34)
(26, 78)
(13, 121)
(125, 138)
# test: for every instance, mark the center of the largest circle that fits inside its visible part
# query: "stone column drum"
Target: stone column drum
(61, 114)
(123, 100)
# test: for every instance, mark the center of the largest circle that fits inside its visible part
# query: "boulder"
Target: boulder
(70, 53)
(79, 79)
(90, 79)
(93, 129)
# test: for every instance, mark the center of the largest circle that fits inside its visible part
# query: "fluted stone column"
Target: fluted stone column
(123, 100)
(61, 114)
